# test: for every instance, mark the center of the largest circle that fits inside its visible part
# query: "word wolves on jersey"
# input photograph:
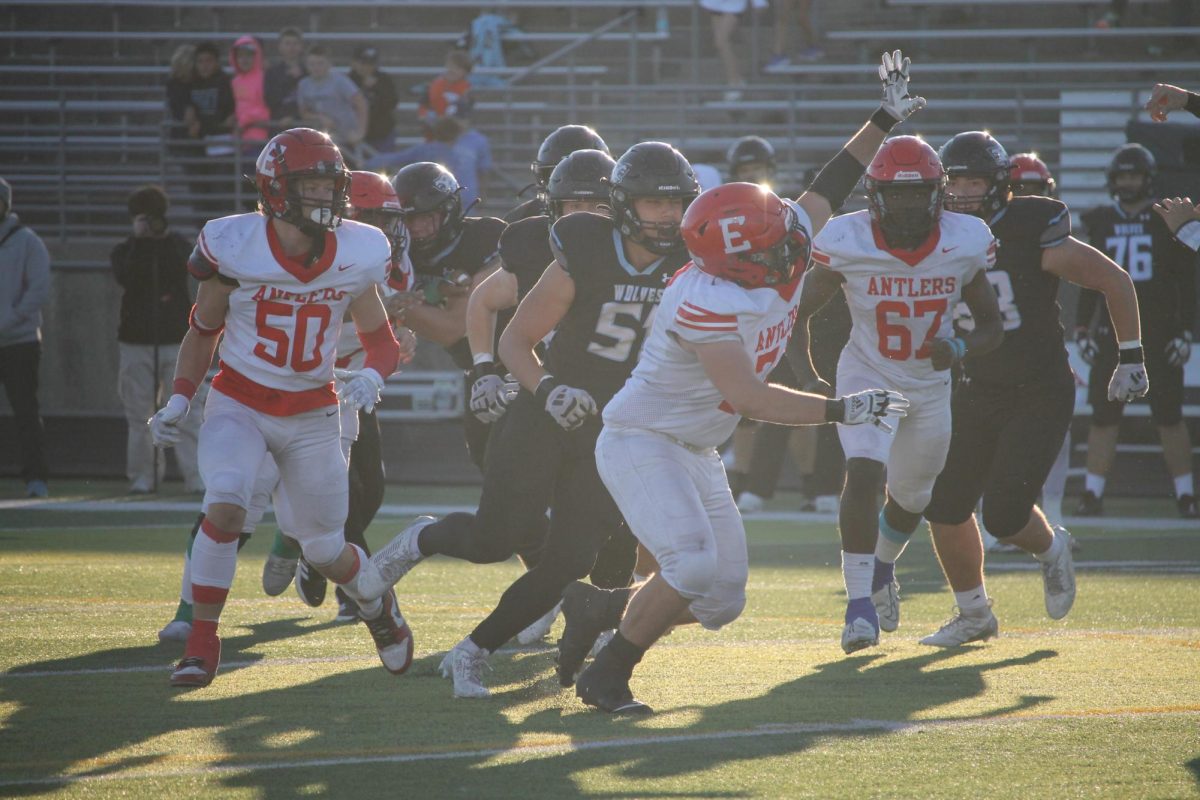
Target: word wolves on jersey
(315, 296)
(911, 287)
(637, 294)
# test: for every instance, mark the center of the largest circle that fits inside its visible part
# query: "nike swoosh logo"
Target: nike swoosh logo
(344, 267)
(331, 413)
(948, 249)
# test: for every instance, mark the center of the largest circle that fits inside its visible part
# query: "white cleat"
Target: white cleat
(750, 503)
(277, 574)
(601, 641)
(538, 630)
(960, 629)
(887, 606)
(859, 634)
(465, 663)
(1058, 578)
(393, 561)
(177, 630)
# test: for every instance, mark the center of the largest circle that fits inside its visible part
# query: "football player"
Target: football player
(598, 295)
(1012, 412)
(1164, 274)
(451, 255)
(903, 265)
(751, 159)
(1029, 175)
(554, 148)
(276, 283)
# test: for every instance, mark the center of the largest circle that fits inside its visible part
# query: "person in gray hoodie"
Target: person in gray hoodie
(24, 289)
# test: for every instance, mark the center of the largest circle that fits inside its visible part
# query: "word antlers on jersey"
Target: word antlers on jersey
(905, 188)
(282, 166)
(744, 233)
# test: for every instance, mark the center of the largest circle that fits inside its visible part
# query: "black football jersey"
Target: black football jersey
(1033, 349)
(597, 343)
(530, 208)
(525, 252)
(1163, 271)
(469, 253)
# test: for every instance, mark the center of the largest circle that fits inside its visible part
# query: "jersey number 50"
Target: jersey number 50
(279, 337)
(895, 339)
(619, 327)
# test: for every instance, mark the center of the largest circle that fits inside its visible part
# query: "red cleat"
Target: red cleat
(393, 639)
(199, 664)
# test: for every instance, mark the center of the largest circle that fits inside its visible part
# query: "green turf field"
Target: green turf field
(1103, 704)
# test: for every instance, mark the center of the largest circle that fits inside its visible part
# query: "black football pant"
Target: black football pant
(1005, 439)
(533, 465)
(19, 375)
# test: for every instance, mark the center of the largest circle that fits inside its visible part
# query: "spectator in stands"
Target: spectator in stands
(329, 101)
(380, 91)
(151, 267)
(249, 99)
(485, 44)
(283, 78)
(785, 11)
(473, 150)
(464, 160)
(24, 289)
(203, 104)
(725, 16)
(449, 93)
(179, 81)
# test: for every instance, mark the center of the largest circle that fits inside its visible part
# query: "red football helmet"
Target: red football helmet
(905, 186)
(373, 201)
(744, 233)
(285, 162)
(1031, 176)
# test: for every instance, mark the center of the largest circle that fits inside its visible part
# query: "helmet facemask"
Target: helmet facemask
(906, 212)
(985, 205)
(660, 238)
(391, 222)
(314, 215)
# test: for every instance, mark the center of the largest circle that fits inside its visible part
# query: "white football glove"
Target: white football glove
(569, 406)
(1086, 344)
(876, 406)
(360, 388)
(164, 426)
(1179, 349)
(1128, 382)
(897, 102)
(489, 397)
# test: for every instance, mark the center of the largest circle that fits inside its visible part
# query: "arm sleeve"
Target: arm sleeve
(201, 264)
(37, 278)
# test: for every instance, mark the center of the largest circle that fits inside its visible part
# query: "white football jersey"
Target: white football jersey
(669, 391)
(350, 353)
(901, 301)
(284, 317)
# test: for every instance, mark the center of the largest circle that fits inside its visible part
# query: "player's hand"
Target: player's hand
(1179, 349)
(164, 426)
(879, 407)
(361, 388)
(408, 344)
(1088, 349)
(1128, 383)
(947, 352)
(1177, 212)
(489, 398)
(570, 407)
(1165, 98)
(897, 102)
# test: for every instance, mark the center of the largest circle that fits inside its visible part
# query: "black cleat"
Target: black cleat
(347, 608)
(585, 614)
(605, 687)
(1090, 505)
(1187, 506)
(310, 584)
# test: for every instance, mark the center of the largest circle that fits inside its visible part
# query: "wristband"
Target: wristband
(960, 348)
(196, 325)
(1130, 352)
(184, 387)
(545, 386)
(479, 358)
(1189, 234)
(835, 410)
(483, 367)
(884, 120)
(1193, 103)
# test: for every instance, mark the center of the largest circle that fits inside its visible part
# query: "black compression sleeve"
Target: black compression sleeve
(1193, 104)
(838, 178)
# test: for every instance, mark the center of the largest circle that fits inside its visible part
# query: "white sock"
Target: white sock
(468, 644)
(887, 550)
(972, 601)
(185, 589)
(213, 563)
(1094, 484)
(1052, 552)
(370, 608)
(857, 571)
(1183, 485)
(1052, 508)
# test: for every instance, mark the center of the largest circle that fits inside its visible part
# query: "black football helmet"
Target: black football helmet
(976, 154)
(651, 169)
(750, 150)
(583, 175)
(424, 187)
(1132, 159)
(560, 144)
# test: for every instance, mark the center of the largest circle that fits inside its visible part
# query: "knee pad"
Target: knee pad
(227, 486)
(1006, 514)
(323, 549)
(692, 573)
(715, 613)
(910, 494)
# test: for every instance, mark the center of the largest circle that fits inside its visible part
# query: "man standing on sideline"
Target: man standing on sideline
(151, 268)
(282, 78)
(24, 288)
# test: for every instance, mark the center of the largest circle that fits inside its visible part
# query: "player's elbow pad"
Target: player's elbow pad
(382, 349)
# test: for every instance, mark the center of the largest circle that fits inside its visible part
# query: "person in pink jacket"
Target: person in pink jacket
(250, 106)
